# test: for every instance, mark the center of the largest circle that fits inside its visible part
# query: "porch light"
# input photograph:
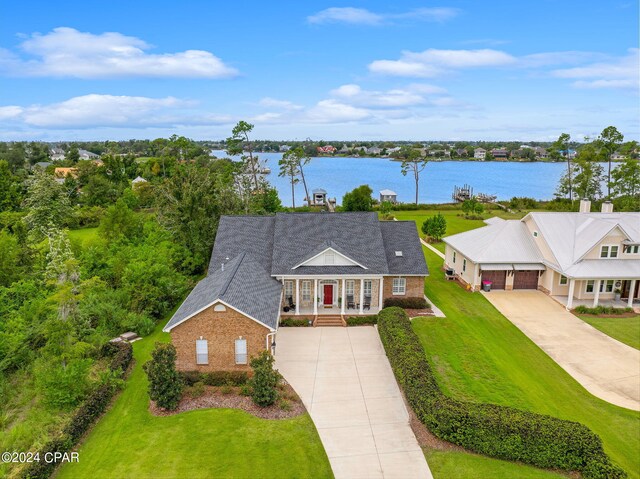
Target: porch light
(273, 347)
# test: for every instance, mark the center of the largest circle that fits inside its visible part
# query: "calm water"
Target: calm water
(338, 175)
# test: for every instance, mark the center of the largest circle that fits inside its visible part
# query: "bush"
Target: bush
(121, 354)
(360, 320)
(264, 383)
(602, 310)
(522, 203)
(294, 322)
(407, 303)
(165, 385)
(215, 378)
(64, 386)
(435, 227)
(496, 431)
(197, 390)
(472, 207)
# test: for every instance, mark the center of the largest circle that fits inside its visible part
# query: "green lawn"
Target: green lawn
(84, 236)
(625, 330)
(129, 442)
(479, 355)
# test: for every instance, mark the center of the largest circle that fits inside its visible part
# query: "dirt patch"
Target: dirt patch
(289, 405)
(414, 313)
(623, 315)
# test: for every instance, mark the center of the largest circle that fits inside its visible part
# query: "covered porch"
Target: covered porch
(619, 293)
(346, 296)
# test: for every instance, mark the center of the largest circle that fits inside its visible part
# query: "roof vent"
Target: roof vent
(398, 253)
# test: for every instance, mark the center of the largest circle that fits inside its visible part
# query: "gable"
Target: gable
(329, 257)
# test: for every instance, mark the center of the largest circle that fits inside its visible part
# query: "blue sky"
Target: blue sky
(453, 70)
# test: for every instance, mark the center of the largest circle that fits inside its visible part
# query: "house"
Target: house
(318, 197)
(87, 155)
(283, 148)
(56, 154)
(42, 165)
(64, 172)
(315, 266)
(618, 157)
(328, 149)
(479, 153)
(388, 195)
(574, 257)
(540, 152)
(137, 181)
(500, 153)
(374, 150)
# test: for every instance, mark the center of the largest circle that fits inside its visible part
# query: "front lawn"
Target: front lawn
(479, 355)
(625, 330)
(129, 442)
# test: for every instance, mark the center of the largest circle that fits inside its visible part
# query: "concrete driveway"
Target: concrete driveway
(345, 381)
(605, 367)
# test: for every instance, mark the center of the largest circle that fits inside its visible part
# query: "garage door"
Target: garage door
(525, 280)
(498, 278)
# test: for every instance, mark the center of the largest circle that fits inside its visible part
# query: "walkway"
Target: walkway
(605, 367)
(345, 380)
(435, 250)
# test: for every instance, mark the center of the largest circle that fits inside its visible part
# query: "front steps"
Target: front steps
(329, 320)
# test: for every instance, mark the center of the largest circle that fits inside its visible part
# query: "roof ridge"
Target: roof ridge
(232, 273)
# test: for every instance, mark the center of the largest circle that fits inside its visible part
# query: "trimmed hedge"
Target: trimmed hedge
(602, 310)
(360, 320)
(407, 303)
(497, 431)
(295, 322)
(215, 378)
(83, 418)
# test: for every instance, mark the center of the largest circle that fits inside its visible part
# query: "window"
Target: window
(241, 351)
(606, 286)
(399, 286)
(367, 287)
(306, 291)
(604, 251)
(613, 252)
(464, 265)
(589, 288)
(288, 289)
(609, 251)
(350, 287)
(535, 234)
(329, 257)
(398, 253)
(563, 280)
(632, 249)
(202, 351)
(454, 256)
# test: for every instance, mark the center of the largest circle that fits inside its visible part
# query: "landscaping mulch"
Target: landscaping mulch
(214, 397)
(414, 313)
(623, 315)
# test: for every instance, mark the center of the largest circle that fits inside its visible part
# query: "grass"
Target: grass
(130, 442)
(625, 330)
(84, 236)
(479, 355)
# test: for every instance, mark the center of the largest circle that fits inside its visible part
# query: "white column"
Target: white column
(297, 296)
(596, 292)
(380, 293)
(344, 299)
(361, 295)
(632, 291)
(572, 285)
(315, 296)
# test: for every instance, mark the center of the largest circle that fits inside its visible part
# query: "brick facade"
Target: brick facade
(220, 329)
(414, 289)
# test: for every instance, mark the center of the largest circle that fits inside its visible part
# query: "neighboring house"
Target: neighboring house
(87, 155)
(571, 256)
(479, 153)
(500, 153)
(328, 149)
(317, 266)
(374, 150)
(56, 154)
(318, 197)
(618, 157)
(42, 165)
(64, 172)
(541, 152)
(138, 180)
(388, 195)
(284, 148)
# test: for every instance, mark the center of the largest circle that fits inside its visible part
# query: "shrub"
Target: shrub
(196, 390)
(214, 378)
(165, 385)
(226, 389)
(360, 320)
(407, 303)
(285, 405)
(64, 386)
(435, 227)
(602, 310)
(472, 207)
(497, 431)
(264, 383)
(294, 322)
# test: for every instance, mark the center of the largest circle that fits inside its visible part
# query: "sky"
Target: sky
(451, 70)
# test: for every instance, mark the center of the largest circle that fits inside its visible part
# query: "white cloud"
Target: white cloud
(355, 95)
(90, 111)
(66, 52)
(362, 16)
(618, 73)
(332, 111)
(275, 103)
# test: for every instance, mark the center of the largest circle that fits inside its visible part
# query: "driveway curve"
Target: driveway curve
(344, 379)
(606, 368)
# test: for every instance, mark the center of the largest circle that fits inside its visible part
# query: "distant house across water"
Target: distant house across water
(479, 153)
(388, 195)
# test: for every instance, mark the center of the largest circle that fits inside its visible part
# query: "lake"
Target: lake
(338, 175)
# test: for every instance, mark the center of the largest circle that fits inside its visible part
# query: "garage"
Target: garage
(498, 278)
(525, 280)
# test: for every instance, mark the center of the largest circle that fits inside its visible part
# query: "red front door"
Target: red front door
(328, 294)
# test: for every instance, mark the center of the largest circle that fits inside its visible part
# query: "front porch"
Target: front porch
(620, 303)
(308, 311)
(599, 292)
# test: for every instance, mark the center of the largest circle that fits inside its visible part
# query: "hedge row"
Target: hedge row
(295, 322)
(497, 431)
(360, 320)
(83, 418)
(215, 378)
(602, 310)
(407, 303)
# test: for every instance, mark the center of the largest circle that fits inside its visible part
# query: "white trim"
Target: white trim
(601, 238)
(287, 277)
(323, 252)
(404, 287)
(166, 330)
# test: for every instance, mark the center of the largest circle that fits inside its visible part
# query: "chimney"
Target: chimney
(607, 207)
(585, 206)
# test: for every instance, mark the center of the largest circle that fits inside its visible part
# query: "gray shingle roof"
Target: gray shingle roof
(356, 235)
(403, 236)
(244, 284)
